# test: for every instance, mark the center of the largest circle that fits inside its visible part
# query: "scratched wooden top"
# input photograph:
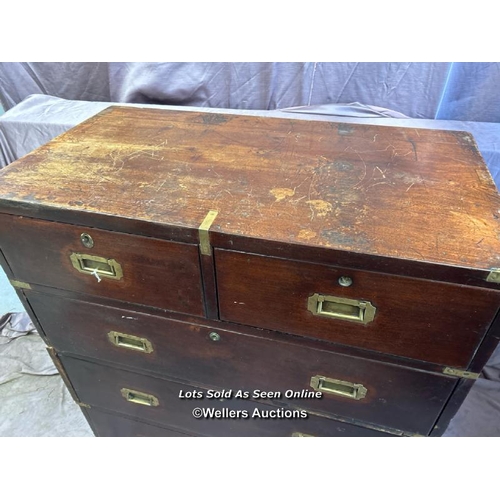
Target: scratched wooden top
(404, 193)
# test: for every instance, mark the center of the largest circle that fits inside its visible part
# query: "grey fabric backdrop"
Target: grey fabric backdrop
(457, 91)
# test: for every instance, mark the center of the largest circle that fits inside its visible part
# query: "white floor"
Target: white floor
(9, 302)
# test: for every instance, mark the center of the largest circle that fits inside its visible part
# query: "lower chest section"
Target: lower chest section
(156, 374)
(155, 338)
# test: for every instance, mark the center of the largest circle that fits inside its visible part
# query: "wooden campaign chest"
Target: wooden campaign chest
(211, 275)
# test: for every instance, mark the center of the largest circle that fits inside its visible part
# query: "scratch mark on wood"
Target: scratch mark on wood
(294, 202)
(420, 254)
(361, 158)
(413, 145)
(161, 185)
(378, 184)
(406, 154)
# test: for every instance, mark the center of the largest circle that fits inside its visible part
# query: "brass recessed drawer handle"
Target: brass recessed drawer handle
(130, 342)
(358, 311)
(100, 267)
(338, 387)
(140, 398)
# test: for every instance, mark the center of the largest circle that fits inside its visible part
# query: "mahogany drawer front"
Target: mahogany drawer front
(103, 386)
(430, 321)
(106, 424)
(156, 273)
(397, 397)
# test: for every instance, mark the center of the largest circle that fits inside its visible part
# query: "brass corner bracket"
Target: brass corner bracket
(20, 284)
(494, 275)
(460, 373)
(203, 232)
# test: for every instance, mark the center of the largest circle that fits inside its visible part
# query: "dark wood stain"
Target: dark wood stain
(5, 266)
(214, 118)
(414, 318)
(209, 286)
(452, 406)
(483, 354)
(155, 272)
(397, 397)
(55, 296)
(100, 386)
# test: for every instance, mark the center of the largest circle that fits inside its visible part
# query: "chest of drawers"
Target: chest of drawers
(200, 274)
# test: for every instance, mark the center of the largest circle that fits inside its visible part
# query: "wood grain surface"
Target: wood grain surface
(100, 386)
(130, 310)
(410, 194)
(397, 397)
(156, 272)
(432, 321)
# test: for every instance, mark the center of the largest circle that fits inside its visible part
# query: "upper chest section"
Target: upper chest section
(401, 193)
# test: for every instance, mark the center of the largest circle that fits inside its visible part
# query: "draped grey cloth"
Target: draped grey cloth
(456, 91)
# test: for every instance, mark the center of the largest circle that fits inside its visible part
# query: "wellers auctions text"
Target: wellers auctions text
(275, 413)
(255, 394)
